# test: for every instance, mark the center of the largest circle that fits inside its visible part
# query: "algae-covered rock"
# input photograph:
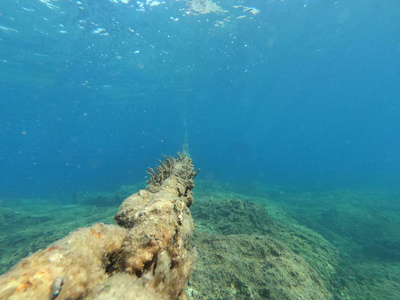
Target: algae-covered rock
(232, 216)
(235, 216)
(251, 267)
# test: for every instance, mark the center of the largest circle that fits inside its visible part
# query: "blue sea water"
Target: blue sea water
(272, 96)
(293, 93)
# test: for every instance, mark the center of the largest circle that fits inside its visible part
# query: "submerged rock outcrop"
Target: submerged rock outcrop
(250, 251)
(148, 256)
(255, 267)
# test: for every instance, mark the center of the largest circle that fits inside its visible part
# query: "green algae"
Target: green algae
(33, 225)
(349, 237)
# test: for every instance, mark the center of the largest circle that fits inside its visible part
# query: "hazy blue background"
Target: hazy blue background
(303, 94)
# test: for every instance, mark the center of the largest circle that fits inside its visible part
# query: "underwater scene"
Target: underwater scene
(200, 149)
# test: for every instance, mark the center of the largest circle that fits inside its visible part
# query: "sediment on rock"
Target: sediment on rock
(148, 256)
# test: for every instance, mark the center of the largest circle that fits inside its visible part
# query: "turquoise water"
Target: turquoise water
(275, 98)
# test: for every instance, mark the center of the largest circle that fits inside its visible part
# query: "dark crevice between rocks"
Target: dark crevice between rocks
(110, 264)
